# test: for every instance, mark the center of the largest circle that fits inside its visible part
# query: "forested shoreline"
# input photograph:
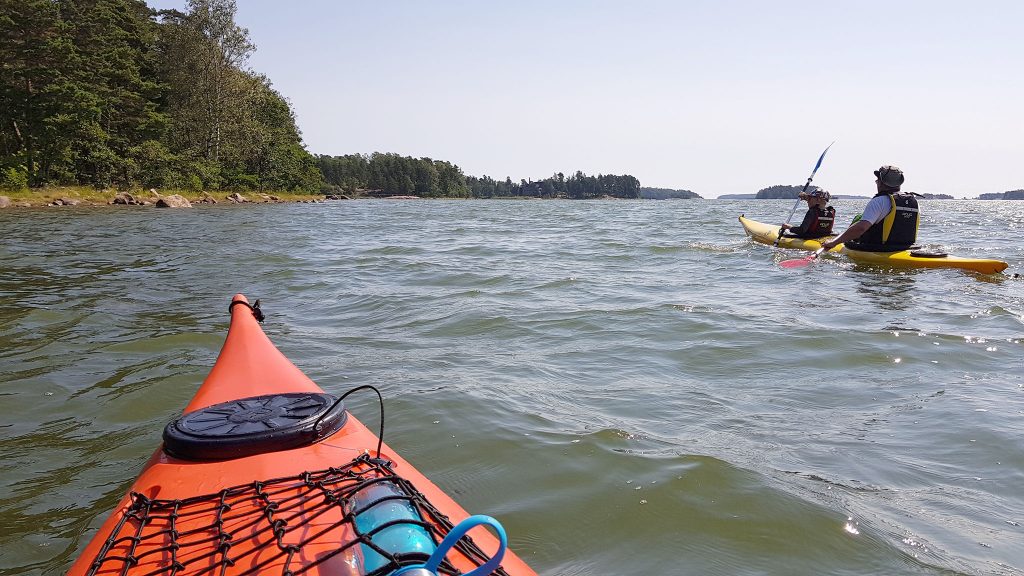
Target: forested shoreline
(112, 94)
(391, 174)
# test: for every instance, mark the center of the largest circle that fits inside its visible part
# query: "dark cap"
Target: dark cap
(891, 176)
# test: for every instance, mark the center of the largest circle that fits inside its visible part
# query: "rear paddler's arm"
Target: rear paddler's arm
(856, 230)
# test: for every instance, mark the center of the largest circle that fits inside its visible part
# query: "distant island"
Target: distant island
(667, 194)
(782, 191)
(791, 192)
(1010, 195)
(754, 197)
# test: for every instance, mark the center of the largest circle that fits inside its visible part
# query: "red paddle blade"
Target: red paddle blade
(797, 262)
(801, 262)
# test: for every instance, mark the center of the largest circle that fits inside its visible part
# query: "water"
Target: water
(630, 387)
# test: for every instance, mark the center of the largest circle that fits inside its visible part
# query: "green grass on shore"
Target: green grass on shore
(89, 196)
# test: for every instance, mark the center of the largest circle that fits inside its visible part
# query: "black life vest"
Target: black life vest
(897, 231)
(817, 223)
(823, 221)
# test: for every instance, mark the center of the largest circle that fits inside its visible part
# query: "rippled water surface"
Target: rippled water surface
(630, 387)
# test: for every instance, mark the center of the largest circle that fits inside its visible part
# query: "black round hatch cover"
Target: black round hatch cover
(253, 426)
(928, 254)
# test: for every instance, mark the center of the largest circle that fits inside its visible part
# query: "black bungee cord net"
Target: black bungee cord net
(236, 530)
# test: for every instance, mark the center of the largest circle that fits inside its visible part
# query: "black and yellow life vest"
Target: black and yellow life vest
(897, 231)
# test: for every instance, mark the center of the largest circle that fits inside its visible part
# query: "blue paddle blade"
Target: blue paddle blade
(820, 158)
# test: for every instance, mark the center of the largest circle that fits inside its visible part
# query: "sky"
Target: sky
(717, 96)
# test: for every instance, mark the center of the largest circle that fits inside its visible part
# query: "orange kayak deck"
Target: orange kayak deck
(284, 511)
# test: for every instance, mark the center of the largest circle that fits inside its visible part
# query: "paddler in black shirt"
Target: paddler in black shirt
(819, 217)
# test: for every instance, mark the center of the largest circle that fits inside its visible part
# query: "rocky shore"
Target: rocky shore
(78, 197)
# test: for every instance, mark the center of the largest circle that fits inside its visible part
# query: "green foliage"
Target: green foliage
(579, 186)
(108, 92)
(192, 183)
(14, 178)
(346, 173)
(153, 165)
(391, 175)
(487, 187)
(241, 182)
(206, 172)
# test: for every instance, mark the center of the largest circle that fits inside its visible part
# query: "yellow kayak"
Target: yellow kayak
(767, 233)
(920, 259)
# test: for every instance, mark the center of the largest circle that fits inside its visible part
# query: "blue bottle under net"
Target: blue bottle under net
(376, 507)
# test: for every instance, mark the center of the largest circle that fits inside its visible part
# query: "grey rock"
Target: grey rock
(173, 201)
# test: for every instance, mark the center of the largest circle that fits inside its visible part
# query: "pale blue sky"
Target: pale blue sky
(718, 97)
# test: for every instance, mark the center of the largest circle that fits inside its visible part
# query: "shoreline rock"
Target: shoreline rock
(126, 199)
(77, 197)
(173, 201)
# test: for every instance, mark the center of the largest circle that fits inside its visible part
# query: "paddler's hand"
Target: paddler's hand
(828, 245)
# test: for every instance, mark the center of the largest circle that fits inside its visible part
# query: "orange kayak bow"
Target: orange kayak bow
(266, 474)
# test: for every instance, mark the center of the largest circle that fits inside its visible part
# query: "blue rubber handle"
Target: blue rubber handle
(453, 537)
